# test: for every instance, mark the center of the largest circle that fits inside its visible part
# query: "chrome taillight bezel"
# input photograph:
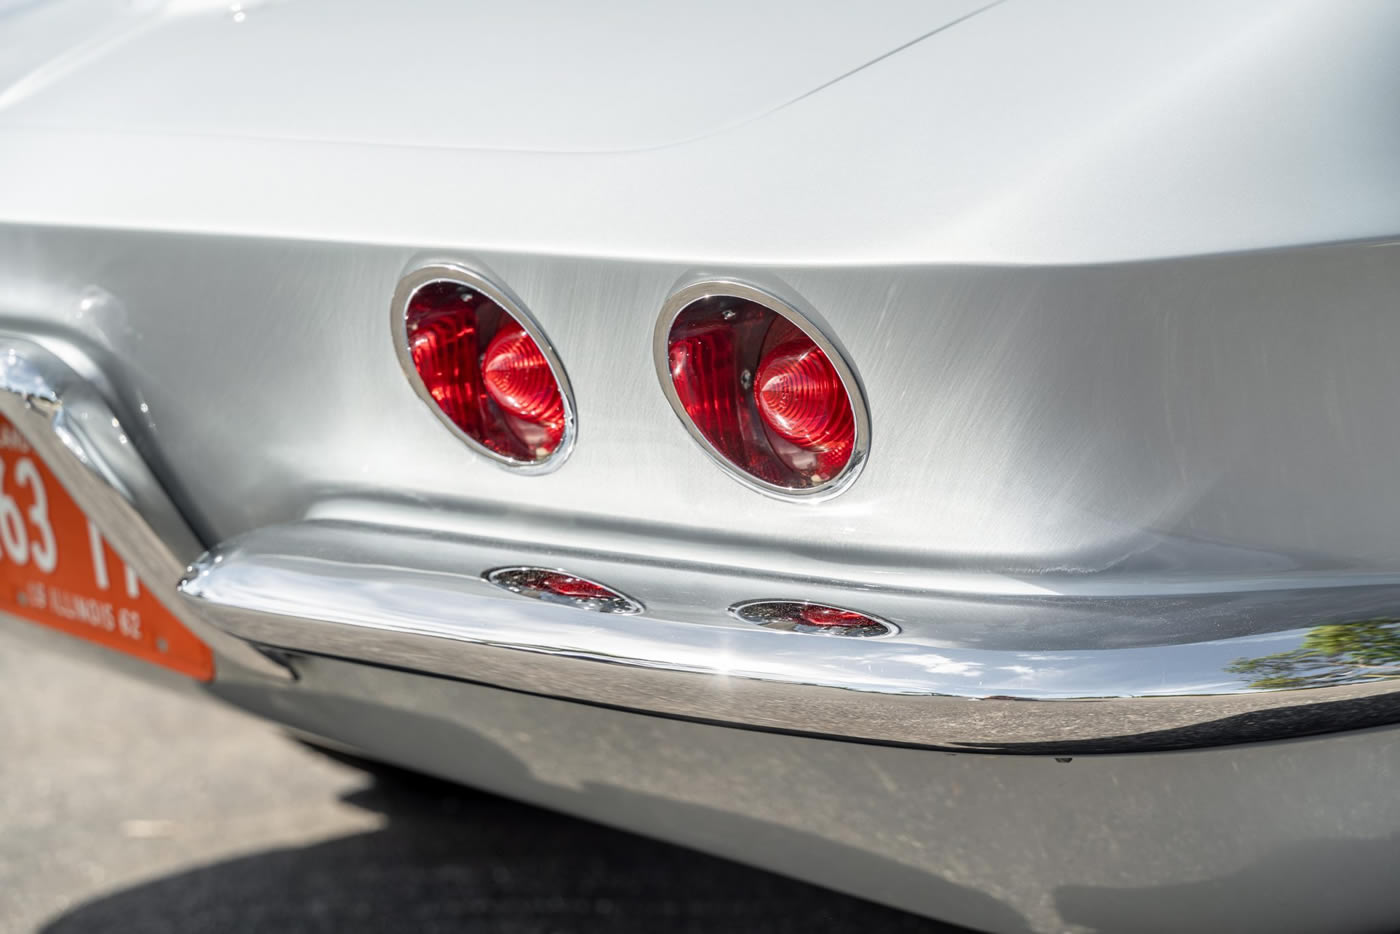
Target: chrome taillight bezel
(453, 272)
(693, 292)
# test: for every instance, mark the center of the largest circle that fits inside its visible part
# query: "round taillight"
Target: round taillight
(472, 352)
(762, 389)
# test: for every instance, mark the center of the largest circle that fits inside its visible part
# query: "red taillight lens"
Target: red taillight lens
(802, 400)
(762, 392)
(484, 371)
(519, 379)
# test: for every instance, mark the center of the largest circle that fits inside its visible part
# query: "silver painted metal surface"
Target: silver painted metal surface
(809, 324)
(956, 149)
(618, 79)
(1282, 837)
(1212, 424)
(479, 282)
(1041, 676)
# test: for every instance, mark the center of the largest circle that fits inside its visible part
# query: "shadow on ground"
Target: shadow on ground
(453, 859)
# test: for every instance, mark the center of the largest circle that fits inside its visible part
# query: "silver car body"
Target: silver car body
(1119, 283)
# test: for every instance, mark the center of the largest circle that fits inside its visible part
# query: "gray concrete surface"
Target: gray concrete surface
(124, 807)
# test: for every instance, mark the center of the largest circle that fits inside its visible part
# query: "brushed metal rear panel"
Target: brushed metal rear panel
(1132, 428)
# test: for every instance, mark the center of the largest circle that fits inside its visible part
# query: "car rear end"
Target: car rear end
(1076, 596)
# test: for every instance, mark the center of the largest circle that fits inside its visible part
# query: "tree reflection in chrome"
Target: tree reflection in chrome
(1331, 654)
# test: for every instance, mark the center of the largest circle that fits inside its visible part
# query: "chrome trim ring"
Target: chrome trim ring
(714, 288)
(769, 614)
(462, 275)
(515, 579)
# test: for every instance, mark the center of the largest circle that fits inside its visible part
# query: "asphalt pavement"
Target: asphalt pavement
(124, 807)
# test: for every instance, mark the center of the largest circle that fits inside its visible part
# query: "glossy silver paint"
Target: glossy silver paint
(1293, 838)
(858, 146)
(1196, 426)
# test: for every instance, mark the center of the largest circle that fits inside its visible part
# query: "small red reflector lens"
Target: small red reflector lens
(484, 371)
(566, 586)
(761, 392)
(815, 615)
(563, 588)
(812, 618)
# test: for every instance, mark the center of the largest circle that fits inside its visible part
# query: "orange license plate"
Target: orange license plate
(57, 570)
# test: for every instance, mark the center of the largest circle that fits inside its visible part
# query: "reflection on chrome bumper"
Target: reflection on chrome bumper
(1042, 674)
(416, 601)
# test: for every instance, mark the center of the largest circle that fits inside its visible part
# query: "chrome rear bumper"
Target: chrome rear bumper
(1045, 674)
(418, 601)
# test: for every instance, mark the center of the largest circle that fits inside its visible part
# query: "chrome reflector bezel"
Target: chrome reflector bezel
(777, 614)
(516, 580)
(462, 275)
